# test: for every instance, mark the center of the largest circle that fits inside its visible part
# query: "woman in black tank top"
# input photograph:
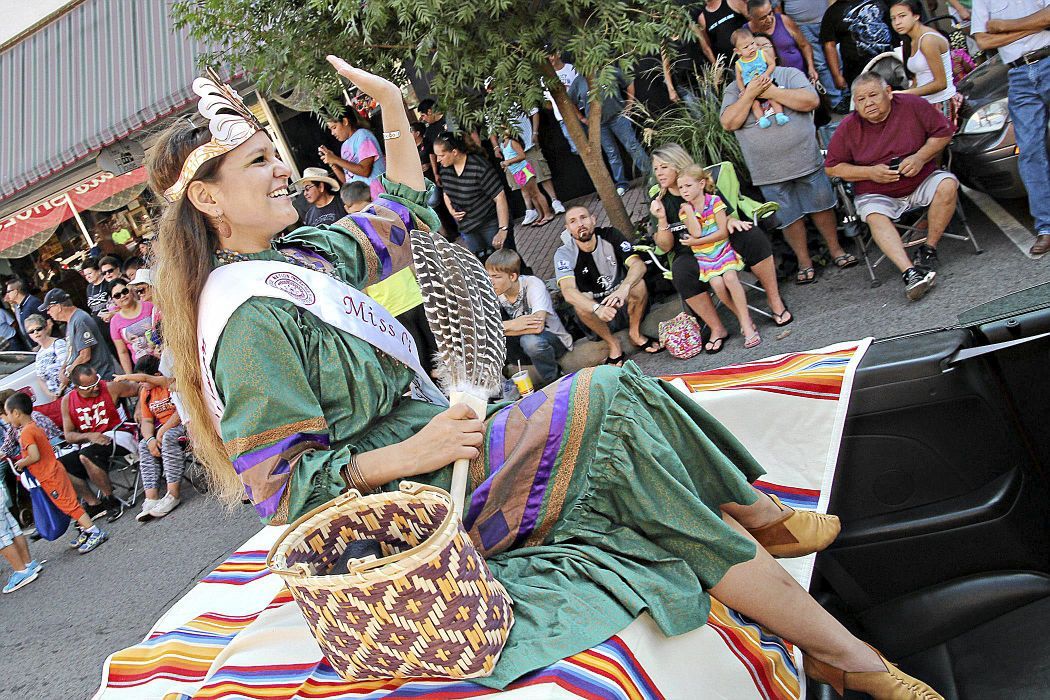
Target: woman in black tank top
(720, 24)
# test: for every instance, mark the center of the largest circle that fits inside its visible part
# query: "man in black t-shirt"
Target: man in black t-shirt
(602, 277)
(319, 190)
(860, 30)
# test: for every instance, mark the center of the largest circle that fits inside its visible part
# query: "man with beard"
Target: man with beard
(320, 191)
(602, 277)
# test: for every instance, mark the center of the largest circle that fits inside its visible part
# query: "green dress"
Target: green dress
(595, 500)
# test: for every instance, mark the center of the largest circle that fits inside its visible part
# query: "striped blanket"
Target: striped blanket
(238, 634)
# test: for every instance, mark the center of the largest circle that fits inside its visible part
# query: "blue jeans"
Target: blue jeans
(480, 238)
(1029, 97)
(621, 129)
(820, 62)
(565, 132)
(544, 349)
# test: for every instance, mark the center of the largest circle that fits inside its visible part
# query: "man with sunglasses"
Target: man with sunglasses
(319, 190)
(91, 420)
(23, 304)
(83, 336)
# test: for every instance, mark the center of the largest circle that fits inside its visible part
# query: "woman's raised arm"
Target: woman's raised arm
(402, 158)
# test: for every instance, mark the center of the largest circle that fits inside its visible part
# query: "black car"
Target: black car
(984, 153)
(943, 562)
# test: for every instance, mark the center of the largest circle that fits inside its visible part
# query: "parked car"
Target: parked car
(984, 153)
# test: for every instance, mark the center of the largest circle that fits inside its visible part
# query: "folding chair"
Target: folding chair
(910, 224)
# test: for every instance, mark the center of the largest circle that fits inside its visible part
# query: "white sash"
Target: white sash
(330, 300)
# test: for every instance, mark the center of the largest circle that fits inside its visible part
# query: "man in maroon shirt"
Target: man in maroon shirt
(888, 147)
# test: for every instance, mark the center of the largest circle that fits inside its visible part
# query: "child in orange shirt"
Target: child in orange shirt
(39, 457)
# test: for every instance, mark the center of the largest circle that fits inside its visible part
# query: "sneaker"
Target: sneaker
(165, 506)
(621, 191)
(147, 506)
(925, 256)
(94, 540)
(917, 281)
(78, 541)
(115, 509)
(95, 511)
(558, 207)
(531, 215)
(21, 578)
(782, 119)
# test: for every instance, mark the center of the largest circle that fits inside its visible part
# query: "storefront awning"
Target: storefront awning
(99, 72)
(23, 232)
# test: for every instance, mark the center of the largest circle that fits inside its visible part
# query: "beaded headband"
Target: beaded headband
(231, 123)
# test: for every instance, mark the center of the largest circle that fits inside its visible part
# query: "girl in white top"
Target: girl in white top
(927, 56)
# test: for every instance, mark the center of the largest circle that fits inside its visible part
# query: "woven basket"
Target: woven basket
(428, 608)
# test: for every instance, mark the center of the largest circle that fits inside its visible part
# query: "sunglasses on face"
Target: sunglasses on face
(121, 294)
(31, 331)
(90, 386)
(108, 270)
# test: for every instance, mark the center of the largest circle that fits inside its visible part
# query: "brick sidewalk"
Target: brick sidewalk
(537, 244)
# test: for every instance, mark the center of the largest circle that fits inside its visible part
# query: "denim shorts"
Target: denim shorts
(9, 529)
(808, 194)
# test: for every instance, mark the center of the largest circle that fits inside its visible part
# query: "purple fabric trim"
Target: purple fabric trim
(550, 455)
(397, 235)
(497, 460)
(530, 404)
(377, 242)
(250, 459)
(268, 508)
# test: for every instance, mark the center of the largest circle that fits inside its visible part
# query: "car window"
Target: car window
(1023, 301)
(11, 362)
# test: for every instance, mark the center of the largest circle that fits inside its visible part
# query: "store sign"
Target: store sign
(121, 157)
(55, 209)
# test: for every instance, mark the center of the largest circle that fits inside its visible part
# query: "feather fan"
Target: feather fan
(463, 312)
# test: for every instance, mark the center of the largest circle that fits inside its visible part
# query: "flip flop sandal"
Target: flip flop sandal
(753, 341)
(650, 347)
(721, 345)
(845, 260)
(616, 361)
(778, 319)
(806, 275)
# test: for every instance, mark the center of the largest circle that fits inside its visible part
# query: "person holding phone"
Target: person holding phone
(888, 148)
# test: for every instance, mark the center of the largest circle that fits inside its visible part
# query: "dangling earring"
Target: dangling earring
(222, 226)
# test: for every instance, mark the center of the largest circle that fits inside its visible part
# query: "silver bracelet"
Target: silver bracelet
(391, 135)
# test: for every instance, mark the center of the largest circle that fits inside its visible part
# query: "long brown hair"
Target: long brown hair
(183, 252)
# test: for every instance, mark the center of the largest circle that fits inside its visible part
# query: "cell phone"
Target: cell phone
(895, 163)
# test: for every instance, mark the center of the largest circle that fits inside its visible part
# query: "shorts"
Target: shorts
(98, 454)
(539, 163)
(803, 195)
(60, 490)
(9, 529)
(894, 207)
(522, 177)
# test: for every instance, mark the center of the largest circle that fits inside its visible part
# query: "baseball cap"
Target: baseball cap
(55, 296)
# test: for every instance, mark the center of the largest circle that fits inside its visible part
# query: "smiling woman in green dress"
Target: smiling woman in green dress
(606, 495)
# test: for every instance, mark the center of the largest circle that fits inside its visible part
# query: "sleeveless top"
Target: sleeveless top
(721, 24)
(918, 65)
(788, 51)
(97, 414)
(752, 68)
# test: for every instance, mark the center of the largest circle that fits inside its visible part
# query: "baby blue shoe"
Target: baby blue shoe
(764, 123)
(782, 119)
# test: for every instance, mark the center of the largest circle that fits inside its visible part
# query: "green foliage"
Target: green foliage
(281, 44)
(696, 127)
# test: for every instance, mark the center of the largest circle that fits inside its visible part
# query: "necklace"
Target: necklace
(293, 256)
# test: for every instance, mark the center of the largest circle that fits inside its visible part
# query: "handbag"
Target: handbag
(50, 522)
(428, 608)
(681, 336)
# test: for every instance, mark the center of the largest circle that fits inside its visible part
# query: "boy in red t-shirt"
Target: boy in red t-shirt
(39, 457)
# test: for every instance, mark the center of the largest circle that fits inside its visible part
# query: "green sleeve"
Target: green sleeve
(415, 200)
(272, 426)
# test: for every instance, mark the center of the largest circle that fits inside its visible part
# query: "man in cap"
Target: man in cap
(82, 336)
(320, 190)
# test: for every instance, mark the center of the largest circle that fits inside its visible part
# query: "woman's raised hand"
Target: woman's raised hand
(656, 208)
(453, 434)
(368, 83)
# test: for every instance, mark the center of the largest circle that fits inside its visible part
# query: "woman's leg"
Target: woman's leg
(826, 224)
(764, 591)
(538, 200)
(685, 275)
(766, 272)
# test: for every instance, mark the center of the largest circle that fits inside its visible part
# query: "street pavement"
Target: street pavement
(58, 630)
